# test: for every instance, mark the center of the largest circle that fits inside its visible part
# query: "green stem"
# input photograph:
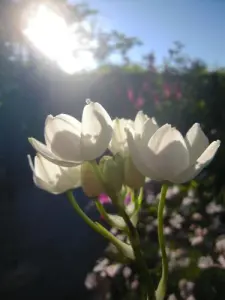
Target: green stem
(161, 290)
(103, 212)
(147, 286)
(121, 246)
(140, 198)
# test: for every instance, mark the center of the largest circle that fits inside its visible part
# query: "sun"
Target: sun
(51, 35)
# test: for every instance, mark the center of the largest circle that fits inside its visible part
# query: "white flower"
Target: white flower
(118, 143)
(70, 142)
(53, 178)
(164, 154)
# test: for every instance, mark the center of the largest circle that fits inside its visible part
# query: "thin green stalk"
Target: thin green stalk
(140, 197)
(103, 212)
(161, 290)
(124, 248)
(147, 286)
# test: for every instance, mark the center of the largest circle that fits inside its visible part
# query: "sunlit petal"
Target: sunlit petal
(53, 178)
(196, 141)
(149, 128)
(201, 163)
(96, 131)
(208, 154)
(137, 154)
(64, 130)
(139, 121)
(45, 152)
(118, 143)
(168, 152)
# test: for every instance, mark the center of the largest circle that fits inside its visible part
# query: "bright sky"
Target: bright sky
(198, 24)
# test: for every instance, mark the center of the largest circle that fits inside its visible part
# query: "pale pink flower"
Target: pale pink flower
(130, 94)
(139, 103)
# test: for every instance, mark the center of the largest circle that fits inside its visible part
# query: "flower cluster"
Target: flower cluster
(140, 149)
(74, 155)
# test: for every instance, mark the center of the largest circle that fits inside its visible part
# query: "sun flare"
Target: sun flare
(51, 35)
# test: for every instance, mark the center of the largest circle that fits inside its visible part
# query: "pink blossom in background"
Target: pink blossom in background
(177, 92)
(178, 95)
(130, 94)
(166, 90)
(104, 199)
(139, 103)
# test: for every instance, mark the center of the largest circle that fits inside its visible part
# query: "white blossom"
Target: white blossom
(118, 143)
(69, 142)
(53, 178)
(164, 154)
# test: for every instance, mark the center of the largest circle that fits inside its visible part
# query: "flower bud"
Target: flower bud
(112, 171)
(91, 183)
(132, 177)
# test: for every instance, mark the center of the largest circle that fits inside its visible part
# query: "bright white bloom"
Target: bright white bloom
(118, 143)
(164, 154)
(69, 142)
(53, 178)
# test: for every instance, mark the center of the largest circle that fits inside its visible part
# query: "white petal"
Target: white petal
(118, 143)
(45, 152)
(208, 154)
(30, 163)
(46, 170)
(49, 131)
(136, 151)
(196, 141)
(154, 122)
(63, 135)
(40, 175)
(44, 185)
(201, 163)
(43, 149)
(96, 131)
(139, 121)
(149, 128)
(70, 179)
(55, 179)
(168, 152)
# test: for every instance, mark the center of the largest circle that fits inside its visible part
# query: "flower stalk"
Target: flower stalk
(122, 247)
(161, 290)
(147, 286)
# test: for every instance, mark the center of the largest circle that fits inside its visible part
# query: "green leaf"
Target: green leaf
(125, 249)
(118, 222)
(115, 255)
